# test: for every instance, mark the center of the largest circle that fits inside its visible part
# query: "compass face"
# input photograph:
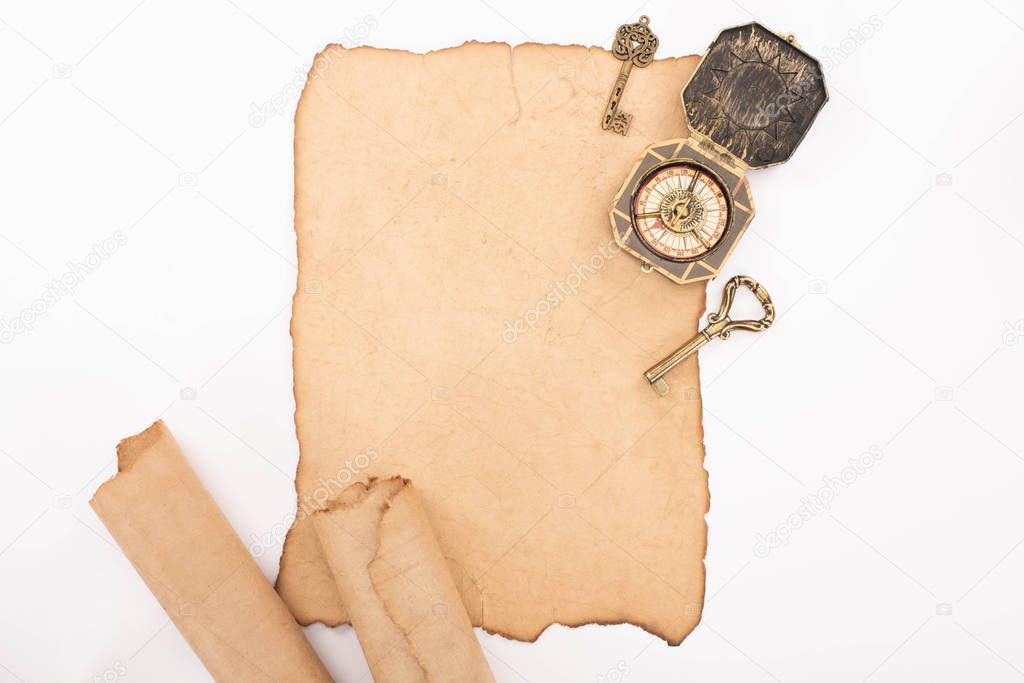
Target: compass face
(680, 211)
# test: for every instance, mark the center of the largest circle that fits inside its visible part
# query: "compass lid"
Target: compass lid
(754, 93)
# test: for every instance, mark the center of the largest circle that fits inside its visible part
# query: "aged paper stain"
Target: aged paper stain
(463, 313)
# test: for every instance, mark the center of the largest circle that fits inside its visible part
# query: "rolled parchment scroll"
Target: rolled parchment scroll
(194, 563)
(395, 581)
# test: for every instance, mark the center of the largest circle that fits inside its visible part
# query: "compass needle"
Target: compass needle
(693, 181)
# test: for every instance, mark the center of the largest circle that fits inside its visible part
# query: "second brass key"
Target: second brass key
(719, 325)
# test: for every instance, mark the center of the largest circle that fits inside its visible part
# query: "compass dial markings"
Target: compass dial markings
(680, 211)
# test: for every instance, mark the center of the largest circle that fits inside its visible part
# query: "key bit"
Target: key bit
(634, 45)
(719, 325)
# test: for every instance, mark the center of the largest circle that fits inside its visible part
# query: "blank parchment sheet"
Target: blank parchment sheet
(379, 231)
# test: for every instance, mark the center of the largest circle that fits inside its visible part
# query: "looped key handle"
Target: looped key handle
(725, 325)
(719, 325)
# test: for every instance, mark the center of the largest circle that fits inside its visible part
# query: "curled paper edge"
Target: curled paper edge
(393, 577)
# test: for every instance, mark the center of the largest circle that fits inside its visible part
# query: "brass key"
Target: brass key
(634, 44)
(719, 325)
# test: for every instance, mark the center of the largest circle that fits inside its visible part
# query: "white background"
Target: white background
(891, 243)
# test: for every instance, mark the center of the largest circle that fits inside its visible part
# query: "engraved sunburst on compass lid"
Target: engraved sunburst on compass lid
(754, 93)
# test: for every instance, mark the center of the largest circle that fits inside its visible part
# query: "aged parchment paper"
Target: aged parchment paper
(185, 550)
(394, 580)
(462, 313)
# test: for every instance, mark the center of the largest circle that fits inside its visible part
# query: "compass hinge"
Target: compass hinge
(716, 152)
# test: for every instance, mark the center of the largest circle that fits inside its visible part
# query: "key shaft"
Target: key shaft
(611, 112)
(655, 374)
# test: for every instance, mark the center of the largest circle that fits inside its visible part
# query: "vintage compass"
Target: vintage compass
(748, 104)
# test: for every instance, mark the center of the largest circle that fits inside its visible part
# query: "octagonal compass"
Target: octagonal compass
(748, 104)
